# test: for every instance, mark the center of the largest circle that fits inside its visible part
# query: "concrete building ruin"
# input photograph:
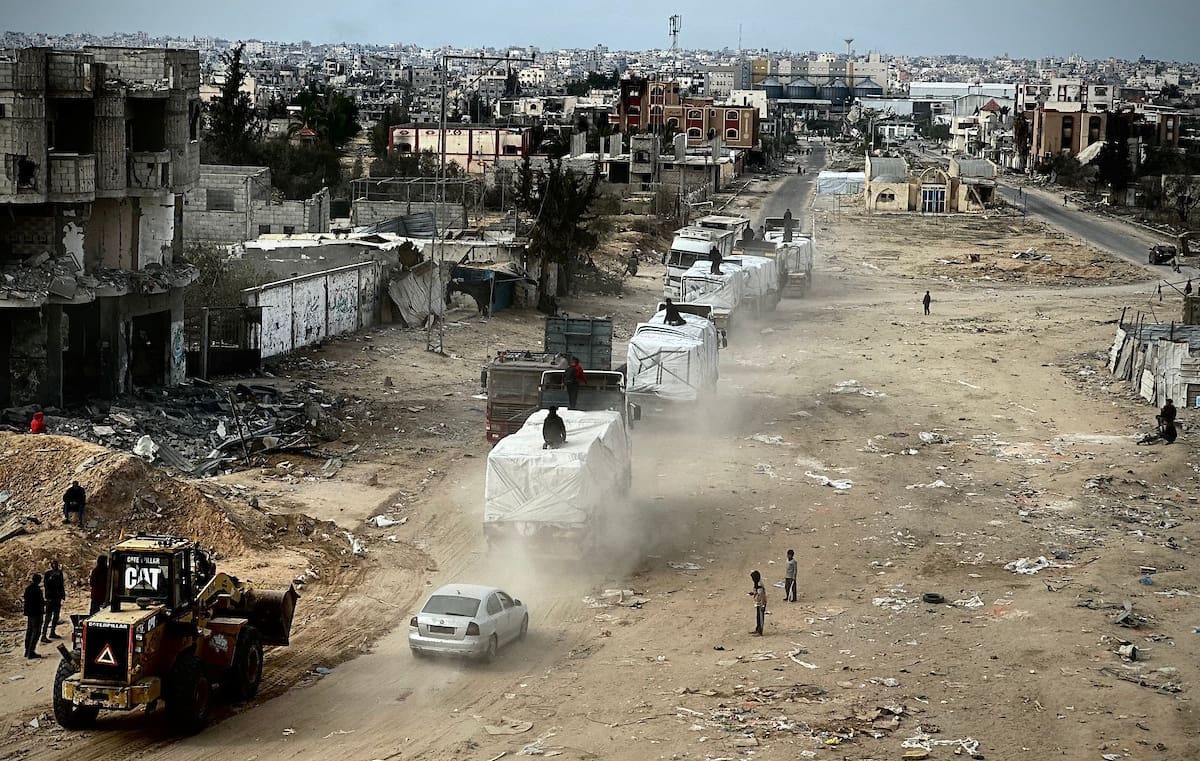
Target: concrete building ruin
(98, 145)
(233, 204)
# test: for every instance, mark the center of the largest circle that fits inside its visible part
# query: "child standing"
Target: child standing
(789, 578)
(760, 603)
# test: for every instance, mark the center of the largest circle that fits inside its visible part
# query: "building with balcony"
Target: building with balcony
(97, 147)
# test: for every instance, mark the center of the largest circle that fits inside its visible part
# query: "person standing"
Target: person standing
(789, 578)
(38, 424)
(98, 585)
(554, 430)
(573, 376)
(714, 261)
(56, 592)
(631, 265)
(74, 501)
(35, 605)
(927, 301)
(760, 603)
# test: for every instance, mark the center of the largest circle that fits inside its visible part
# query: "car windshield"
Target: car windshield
(142, 576)
(451, 605)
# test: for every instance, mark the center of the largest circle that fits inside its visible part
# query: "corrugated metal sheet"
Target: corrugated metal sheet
(422, 224)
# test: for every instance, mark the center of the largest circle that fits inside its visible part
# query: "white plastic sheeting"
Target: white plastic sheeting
(527, 486)
(676, 363)
(841, 183)
(763, 275)
(721, 292)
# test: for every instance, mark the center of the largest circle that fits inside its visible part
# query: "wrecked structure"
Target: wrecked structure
(1160, 360)
(232, 204)
(98, 145)
(968, 185)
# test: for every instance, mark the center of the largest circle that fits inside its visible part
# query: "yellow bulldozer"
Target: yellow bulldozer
(174, 630)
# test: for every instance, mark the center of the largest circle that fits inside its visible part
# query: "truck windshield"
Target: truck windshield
(142, 576)
(509, 383)
(685, 258)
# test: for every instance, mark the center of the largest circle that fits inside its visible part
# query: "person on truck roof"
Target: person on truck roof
(673, 317)
(714, 260)
(554, 430)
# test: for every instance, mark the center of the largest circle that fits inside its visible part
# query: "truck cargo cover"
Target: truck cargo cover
(672, 362)
(528, 484)
(763, 274)
(722, 292)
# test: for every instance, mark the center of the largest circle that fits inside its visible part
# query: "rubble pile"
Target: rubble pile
(202, 429)
(44, 277)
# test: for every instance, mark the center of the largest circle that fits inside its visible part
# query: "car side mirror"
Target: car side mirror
(516, 601)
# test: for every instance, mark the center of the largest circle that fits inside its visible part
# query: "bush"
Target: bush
(221, 280)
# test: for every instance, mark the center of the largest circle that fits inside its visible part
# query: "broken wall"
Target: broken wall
(156, 230)
(110, 238)
(304, 310)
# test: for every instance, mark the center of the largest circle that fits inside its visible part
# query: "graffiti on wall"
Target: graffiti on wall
(178, 370)
(305, 310)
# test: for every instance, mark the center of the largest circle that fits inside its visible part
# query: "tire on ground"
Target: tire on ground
(245, 675)
(188, 694)
(67, 714)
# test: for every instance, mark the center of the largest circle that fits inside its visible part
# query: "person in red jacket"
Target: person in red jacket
(573, 376)
(38, 424)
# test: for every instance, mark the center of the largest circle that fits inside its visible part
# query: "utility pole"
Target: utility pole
(435, 342)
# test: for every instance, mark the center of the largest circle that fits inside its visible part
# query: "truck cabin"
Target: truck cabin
(604, 390)
(512, 380)
(700, 310)
(165, 571)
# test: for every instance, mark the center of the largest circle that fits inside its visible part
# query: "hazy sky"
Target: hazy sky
(1160, 29)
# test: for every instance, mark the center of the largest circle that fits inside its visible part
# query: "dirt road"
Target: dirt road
(898, 455)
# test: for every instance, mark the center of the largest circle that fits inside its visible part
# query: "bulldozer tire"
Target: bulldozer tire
(246, 673)
(188, 694)
(67, 714)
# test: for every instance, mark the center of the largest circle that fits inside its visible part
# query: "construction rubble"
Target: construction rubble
(202, 429)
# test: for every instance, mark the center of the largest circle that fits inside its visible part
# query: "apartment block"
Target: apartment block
(233, 204)
(97, 146)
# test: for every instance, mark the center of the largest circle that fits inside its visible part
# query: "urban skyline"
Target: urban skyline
(1160, 30)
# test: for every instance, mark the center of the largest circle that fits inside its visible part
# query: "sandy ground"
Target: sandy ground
(982, 434)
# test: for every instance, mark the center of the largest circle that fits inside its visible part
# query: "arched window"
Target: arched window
(694, 132)
(1093, 130)
(673, 123)
(731, 116)
(731, 134)
(1068, 130)
(695, 113)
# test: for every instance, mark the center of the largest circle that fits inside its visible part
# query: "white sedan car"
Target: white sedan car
(467, 620)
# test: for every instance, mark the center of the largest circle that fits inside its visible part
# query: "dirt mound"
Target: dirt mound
(125, 495)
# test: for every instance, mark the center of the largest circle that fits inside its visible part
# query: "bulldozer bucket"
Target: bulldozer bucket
(271, 612)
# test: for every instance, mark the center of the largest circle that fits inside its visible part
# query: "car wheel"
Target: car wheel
(524, 628)
(493, 649)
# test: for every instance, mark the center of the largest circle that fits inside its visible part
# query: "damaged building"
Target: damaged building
(98, 146)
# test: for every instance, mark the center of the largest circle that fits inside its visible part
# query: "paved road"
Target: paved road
(795, 191)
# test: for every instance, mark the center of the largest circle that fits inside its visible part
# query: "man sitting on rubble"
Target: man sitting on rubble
(673, 317)
(554, 430)
(74, 502)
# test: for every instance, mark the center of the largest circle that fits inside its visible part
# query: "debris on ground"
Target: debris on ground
(841, 484)
(1028, 566)
(854, 387)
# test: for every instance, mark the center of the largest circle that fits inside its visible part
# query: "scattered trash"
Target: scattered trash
(1128, 651)
(763, 438)
(841, 484)
(938, 484)
(1160, 680)
(1027, 566)
(681, 566)
(854, 387)
(971, 603)
(289, 731)
(895, 604)
(933, 598)
(382, 521)
(356, 547)
(146, 448)
(764, 469)
(933, 438)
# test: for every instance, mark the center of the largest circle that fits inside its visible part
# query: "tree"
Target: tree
(396, 114)
(233, 127)
(329, 112)
(560, 200)
(1022, 138)
(299, 171)
(1113, 165)
(1182, 194)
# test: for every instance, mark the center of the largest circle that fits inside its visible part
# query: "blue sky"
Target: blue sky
(1161, 29)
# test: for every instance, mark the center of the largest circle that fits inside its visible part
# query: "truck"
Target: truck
(672, 365)
(174, 629)
(762, 281)
(722, 293)
(737, 223)
(512, 379)
(556, 502)
(689, 246)
(793, 260)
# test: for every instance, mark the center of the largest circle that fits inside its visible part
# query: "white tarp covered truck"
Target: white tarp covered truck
(793, 260)
(762, 281)
(672, 363)
(692, 245)
(722, 292)
(556, 501)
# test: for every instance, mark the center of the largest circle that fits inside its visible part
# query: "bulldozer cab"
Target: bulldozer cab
(157, 570)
